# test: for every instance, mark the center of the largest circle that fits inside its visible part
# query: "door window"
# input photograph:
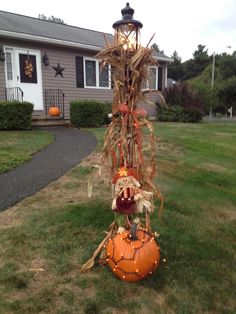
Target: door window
(28, 70)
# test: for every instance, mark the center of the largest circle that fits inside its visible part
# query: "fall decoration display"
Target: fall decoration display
(28, 68)
(54, 111)
(132, 260)
(129, 150)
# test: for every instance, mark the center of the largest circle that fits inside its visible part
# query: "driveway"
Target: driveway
(70, 147)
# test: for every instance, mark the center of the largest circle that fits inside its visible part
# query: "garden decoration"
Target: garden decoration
(129, 248)
(54, 111)
(58, 69)
(28, 68)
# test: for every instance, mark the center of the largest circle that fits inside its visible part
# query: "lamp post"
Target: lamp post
(127, 40)
(127, 30)
(132, 171)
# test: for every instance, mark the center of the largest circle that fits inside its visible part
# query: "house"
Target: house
(48, 63)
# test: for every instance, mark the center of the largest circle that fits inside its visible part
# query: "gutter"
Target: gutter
(42, 39)
(166, 59)
(61, 42)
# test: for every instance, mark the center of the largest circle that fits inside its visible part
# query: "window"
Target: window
(90, 73)
(153, 77)
(94, 77)
(104, 76)
(9, 66)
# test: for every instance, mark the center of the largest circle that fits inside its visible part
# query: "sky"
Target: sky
(179, 25)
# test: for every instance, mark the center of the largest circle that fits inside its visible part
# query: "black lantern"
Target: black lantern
(45, 59)
(128, 30)
(2, 54)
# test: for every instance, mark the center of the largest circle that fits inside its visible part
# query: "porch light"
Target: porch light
(2, 54)
(127, 30)
(45, 59)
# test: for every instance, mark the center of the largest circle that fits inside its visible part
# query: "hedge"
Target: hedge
(179, 114)
(89, 113)
(15, 115)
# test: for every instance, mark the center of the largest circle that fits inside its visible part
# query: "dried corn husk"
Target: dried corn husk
(123, 144)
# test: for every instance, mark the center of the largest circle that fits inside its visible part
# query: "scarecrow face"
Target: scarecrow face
(124, 181)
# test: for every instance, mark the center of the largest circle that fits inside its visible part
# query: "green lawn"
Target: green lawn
(58, 229)
(17, 147)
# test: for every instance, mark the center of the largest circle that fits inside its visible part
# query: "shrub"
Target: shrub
(88, 113)
(107, 109)
(182, 95)
(170, 114)
(15, 115)
(193, 114)
(179, 114)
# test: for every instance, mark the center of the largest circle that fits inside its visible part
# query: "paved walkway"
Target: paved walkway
(69, 148)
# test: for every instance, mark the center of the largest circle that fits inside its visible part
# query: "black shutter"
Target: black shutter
(79, 64)
(160, 77)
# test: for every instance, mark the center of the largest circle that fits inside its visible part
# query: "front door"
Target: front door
(26, 74)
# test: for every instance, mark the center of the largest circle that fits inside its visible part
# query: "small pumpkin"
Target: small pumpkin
(54, 111)
(133, 260)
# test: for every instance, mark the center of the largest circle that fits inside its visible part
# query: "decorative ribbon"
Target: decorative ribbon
(127, 112)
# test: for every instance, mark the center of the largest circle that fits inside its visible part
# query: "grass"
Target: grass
(58, 229)
(17, 147)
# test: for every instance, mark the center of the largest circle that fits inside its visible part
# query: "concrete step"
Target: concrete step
(49, 122)
(45, 118)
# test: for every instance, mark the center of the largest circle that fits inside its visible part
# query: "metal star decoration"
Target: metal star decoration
(58, 70)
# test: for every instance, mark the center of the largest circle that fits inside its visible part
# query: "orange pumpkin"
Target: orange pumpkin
(132, 260)
(54, 111)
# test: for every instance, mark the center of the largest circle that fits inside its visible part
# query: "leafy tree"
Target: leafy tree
(202, 85)
(226, 64)
(175, 69)
(227, 93)
(194, 66)
(198, 73)
(157, 48)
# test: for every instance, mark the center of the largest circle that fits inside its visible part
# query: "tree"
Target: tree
(200, 60)
(175, 69)
(193, 67)
(202, 85)
(157, 48)
(227, 93)
(226, 64)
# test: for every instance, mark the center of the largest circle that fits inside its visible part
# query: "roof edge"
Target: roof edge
(47, 40)
(167, 59)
